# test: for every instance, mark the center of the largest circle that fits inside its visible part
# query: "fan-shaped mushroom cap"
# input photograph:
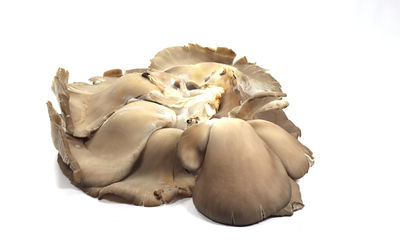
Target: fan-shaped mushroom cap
(109, 155)
(157, 177)
(84, 111)
(255, 79)
(191, 54)
(241, 181)
(296, 158)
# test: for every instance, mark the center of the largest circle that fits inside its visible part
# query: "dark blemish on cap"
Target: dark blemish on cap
(145, 75)
(191, 86)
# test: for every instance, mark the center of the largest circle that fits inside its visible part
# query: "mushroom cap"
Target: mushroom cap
(241, 181)
(296, 158)
(85, 111)
(157, 177)
(110, 153)
(189, 55)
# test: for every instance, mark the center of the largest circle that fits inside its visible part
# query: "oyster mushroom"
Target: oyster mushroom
(241, 180)
(157, 178)
(193, 122)
(109, 155)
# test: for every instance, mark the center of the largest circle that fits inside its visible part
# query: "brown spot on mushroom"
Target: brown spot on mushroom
(113, 73)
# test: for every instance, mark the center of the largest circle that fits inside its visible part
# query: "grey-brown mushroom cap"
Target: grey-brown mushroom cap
(85, 107)
(191, 54)
(110, 153)
(241, 181)
(157, 177)
(257, 76)
(296, 158)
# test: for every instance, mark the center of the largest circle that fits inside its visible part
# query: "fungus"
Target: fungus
(194, 123)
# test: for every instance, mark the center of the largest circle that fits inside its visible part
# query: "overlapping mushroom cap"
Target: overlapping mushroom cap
(191, 124)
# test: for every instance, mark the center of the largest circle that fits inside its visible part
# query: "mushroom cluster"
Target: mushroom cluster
(192, 124)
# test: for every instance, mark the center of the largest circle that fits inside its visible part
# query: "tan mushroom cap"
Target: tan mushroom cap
(296, 158)
(241, 181)
(84, 111)
(189, 55)
(157, 177)
(256, 78)
(109, 155)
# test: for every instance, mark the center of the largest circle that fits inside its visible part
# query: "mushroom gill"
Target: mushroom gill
(192, 123)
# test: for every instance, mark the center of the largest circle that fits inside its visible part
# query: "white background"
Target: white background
(338, 61)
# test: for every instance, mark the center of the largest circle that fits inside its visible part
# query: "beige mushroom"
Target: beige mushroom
(241, 181)
(109, 155)
(193, 122)
(84, 111)
(157, 177)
